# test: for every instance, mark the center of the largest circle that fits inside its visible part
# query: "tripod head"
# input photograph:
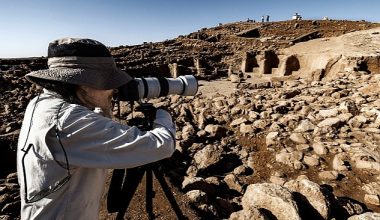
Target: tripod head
(144, 123)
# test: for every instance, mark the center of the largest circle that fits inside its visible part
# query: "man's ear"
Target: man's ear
(84, 89)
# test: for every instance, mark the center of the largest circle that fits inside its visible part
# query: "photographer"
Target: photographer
(65, 148)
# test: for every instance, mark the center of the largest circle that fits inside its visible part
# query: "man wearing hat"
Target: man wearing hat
(65, 147)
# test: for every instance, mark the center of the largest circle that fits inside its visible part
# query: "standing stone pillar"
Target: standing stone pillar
(174, 70)
(200, 71)
(229, 73)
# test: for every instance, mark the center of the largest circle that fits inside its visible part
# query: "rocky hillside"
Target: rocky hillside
(248, 146)
(210, 52)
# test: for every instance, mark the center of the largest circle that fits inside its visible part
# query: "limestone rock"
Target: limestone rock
(274, 198)
(207, 157)
(305, 126)
(197, 196)
(197, 183)
(290, 158)
(372, 188)
(252, 115)
(366, 216)
(234, 78)
(261, 124)
(366, 161)
(372, 199)
(271, 138)
(349, 107)
(277, 180)
(311, 160)
(328, 175)
(242, 170)
(298, 138)
(187, 132)
(340, 162)
(313, 194)
(320, 148)
(357, 121)
(246, 128)
(351, 207)
(238, 122)
(328, 113)
(329, 122)
(215, 130)
(248, 214)
(233, 183)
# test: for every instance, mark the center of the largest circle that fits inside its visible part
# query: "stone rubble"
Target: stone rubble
(331, 143)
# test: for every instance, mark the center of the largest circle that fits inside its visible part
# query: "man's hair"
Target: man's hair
(66, 90)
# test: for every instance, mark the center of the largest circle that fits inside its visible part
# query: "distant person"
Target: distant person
(267, 18)
(65, 148)
(297, 17)
(262, 18)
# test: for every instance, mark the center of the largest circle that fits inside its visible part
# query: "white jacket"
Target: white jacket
(93, 143)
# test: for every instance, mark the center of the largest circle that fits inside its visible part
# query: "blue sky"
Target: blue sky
(27, 26)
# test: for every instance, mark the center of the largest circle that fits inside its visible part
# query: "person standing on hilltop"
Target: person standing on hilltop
(65, 148)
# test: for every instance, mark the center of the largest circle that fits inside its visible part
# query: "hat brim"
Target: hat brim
(86, 77)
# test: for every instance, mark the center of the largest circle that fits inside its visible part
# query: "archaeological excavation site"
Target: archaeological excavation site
(285, 123)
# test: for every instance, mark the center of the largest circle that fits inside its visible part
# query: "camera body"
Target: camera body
(153, 87)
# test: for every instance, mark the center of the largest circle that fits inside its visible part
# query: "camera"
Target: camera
(153, 87)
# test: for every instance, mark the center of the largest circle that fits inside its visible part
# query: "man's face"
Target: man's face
(92, 98)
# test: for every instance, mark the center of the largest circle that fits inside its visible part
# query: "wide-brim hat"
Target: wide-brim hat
(84, 62)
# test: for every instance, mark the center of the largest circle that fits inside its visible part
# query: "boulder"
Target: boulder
(310, 192)
(276, 199)
(208, 156)
(366, 216)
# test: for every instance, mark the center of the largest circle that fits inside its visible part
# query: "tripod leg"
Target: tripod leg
(131, 182)
(169, 195)
(114, 198)
(149, 193)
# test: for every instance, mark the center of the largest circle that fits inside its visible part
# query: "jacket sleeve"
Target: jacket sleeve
(91, 140)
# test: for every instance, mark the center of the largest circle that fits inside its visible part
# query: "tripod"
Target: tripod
(124, 182)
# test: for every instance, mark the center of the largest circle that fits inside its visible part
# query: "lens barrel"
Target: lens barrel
(153, 87)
